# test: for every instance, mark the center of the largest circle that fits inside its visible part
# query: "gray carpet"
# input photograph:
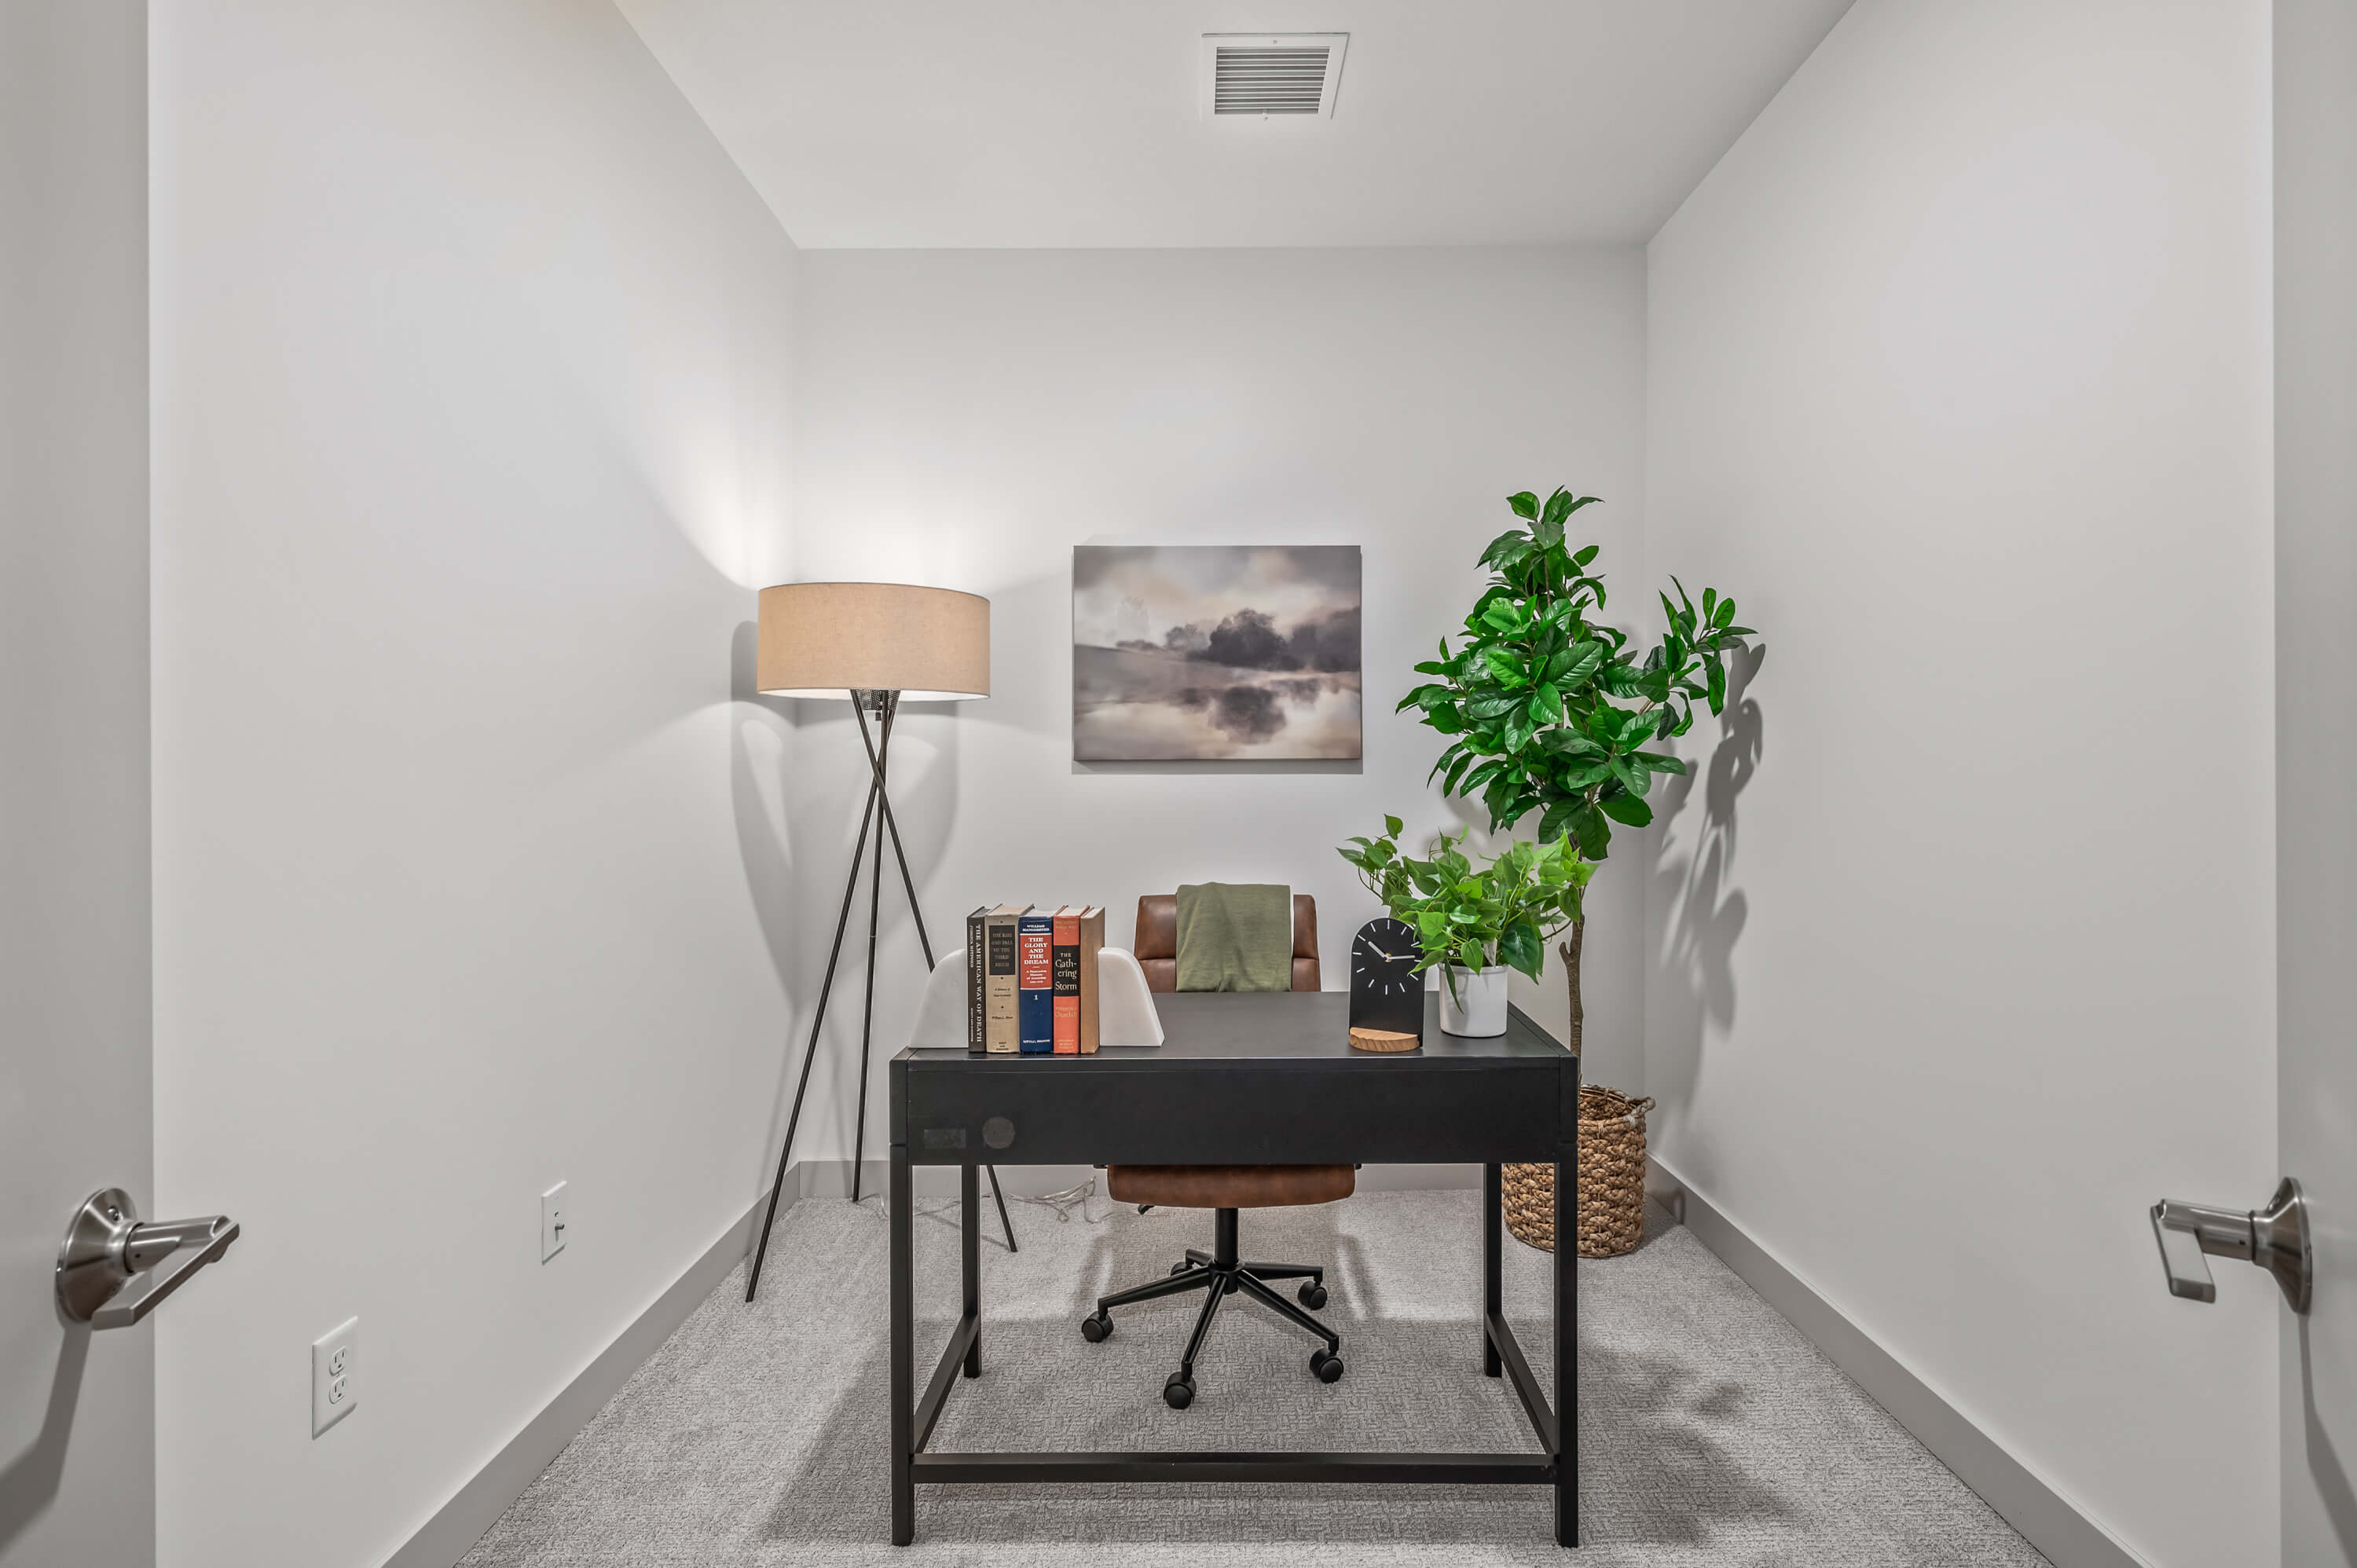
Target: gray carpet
(1711, 1431)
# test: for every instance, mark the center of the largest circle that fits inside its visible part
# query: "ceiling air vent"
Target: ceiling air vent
(1266, 76)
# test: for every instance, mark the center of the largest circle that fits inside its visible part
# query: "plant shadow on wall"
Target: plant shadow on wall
(1553, 711)
(1702, 917)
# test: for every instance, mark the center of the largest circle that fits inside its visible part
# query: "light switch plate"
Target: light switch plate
(553, 1204)
(335, 1375)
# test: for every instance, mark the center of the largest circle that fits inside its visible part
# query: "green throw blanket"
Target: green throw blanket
(1235, 937)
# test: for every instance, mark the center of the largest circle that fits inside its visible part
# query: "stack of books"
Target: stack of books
(1032, 980)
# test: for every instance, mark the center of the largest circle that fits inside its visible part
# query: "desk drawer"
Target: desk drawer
(1093, 1112)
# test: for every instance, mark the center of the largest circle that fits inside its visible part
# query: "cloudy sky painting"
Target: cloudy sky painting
(1205, 652)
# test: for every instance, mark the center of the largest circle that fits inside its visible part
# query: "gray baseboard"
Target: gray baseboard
(454, 1528)
(2047, 1519)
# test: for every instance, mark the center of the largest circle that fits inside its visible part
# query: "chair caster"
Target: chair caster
(1179, 1267)
(1178, 1393)
(1312, 1295)
(1327, 1366)
(1096, 1330)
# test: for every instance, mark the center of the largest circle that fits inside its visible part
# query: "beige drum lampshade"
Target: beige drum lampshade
(828, 639)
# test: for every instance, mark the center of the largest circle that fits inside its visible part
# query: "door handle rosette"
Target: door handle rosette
(112, 1270)
(2275, 1238)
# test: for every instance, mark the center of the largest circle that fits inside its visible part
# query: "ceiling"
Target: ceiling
(1078, 122)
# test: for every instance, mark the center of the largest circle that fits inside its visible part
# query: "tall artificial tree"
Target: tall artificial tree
(1555, 712)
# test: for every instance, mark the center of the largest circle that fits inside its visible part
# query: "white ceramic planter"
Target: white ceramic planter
(1473, 1001)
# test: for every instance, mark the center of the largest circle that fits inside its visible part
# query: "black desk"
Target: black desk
(1241, 1080)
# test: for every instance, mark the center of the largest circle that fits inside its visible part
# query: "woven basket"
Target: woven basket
(1611, 1180)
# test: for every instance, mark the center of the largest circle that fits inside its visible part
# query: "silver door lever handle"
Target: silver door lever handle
(113, 1271)
(2275, 1238)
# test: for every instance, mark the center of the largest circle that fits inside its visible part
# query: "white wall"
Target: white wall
(472, 403)
(1958, 379)
(77, 1410)
(967, 417)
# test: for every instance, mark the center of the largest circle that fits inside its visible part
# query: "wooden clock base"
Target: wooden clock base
(1384, 1040)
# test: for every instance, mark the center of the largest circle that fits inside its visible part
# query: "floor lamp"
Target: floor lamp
(874, 643)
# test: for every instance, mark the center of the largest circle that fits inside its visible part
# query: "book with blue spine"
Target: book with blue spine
(1035, 977)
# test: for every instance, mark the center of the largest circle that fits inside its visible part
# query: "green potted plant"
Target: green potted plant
(1555, 713)
(1475, 921)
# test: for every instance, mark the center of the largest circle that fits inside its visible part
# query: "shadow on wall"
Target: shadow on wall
(2324, 1461)
(923, 774)
(1702, 917)
(830, 760)
(763, 840)
(29, 1483)
(878, 980)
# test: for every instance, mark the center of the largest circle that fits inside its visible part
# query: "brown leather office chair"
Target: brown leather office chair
(1224, 1188)
(1157, 947)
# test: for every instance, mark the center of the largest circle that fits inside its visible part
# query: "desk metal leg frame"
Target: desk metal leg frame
(1566, 1446)
(913, 1418)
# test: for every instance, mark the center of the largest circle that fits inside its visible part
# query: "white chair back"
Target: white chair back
(1126, 1014)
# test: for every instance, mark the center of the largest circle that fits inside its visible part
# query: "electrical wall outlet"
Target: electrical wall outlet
(553, 1205)
(335, 1375)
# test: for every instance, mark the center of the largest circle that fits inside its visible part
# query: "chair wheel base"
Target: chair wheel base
(1312, 1295)
(1328, 1366)
(1096, 1330)
(1177, 1393)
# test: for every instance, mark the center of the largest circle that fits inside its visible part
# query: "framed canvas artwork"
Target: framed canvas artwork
(1202, 653)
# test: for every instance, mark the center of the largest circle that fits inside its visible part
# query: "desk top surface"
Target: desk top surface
(1302, 1026)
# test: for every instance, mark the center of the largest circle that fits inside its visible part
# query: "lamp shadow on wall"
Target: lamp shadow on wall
(923, 772)
(763, 842)
(1701, 918)
(925, 778)
(29, 1483)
